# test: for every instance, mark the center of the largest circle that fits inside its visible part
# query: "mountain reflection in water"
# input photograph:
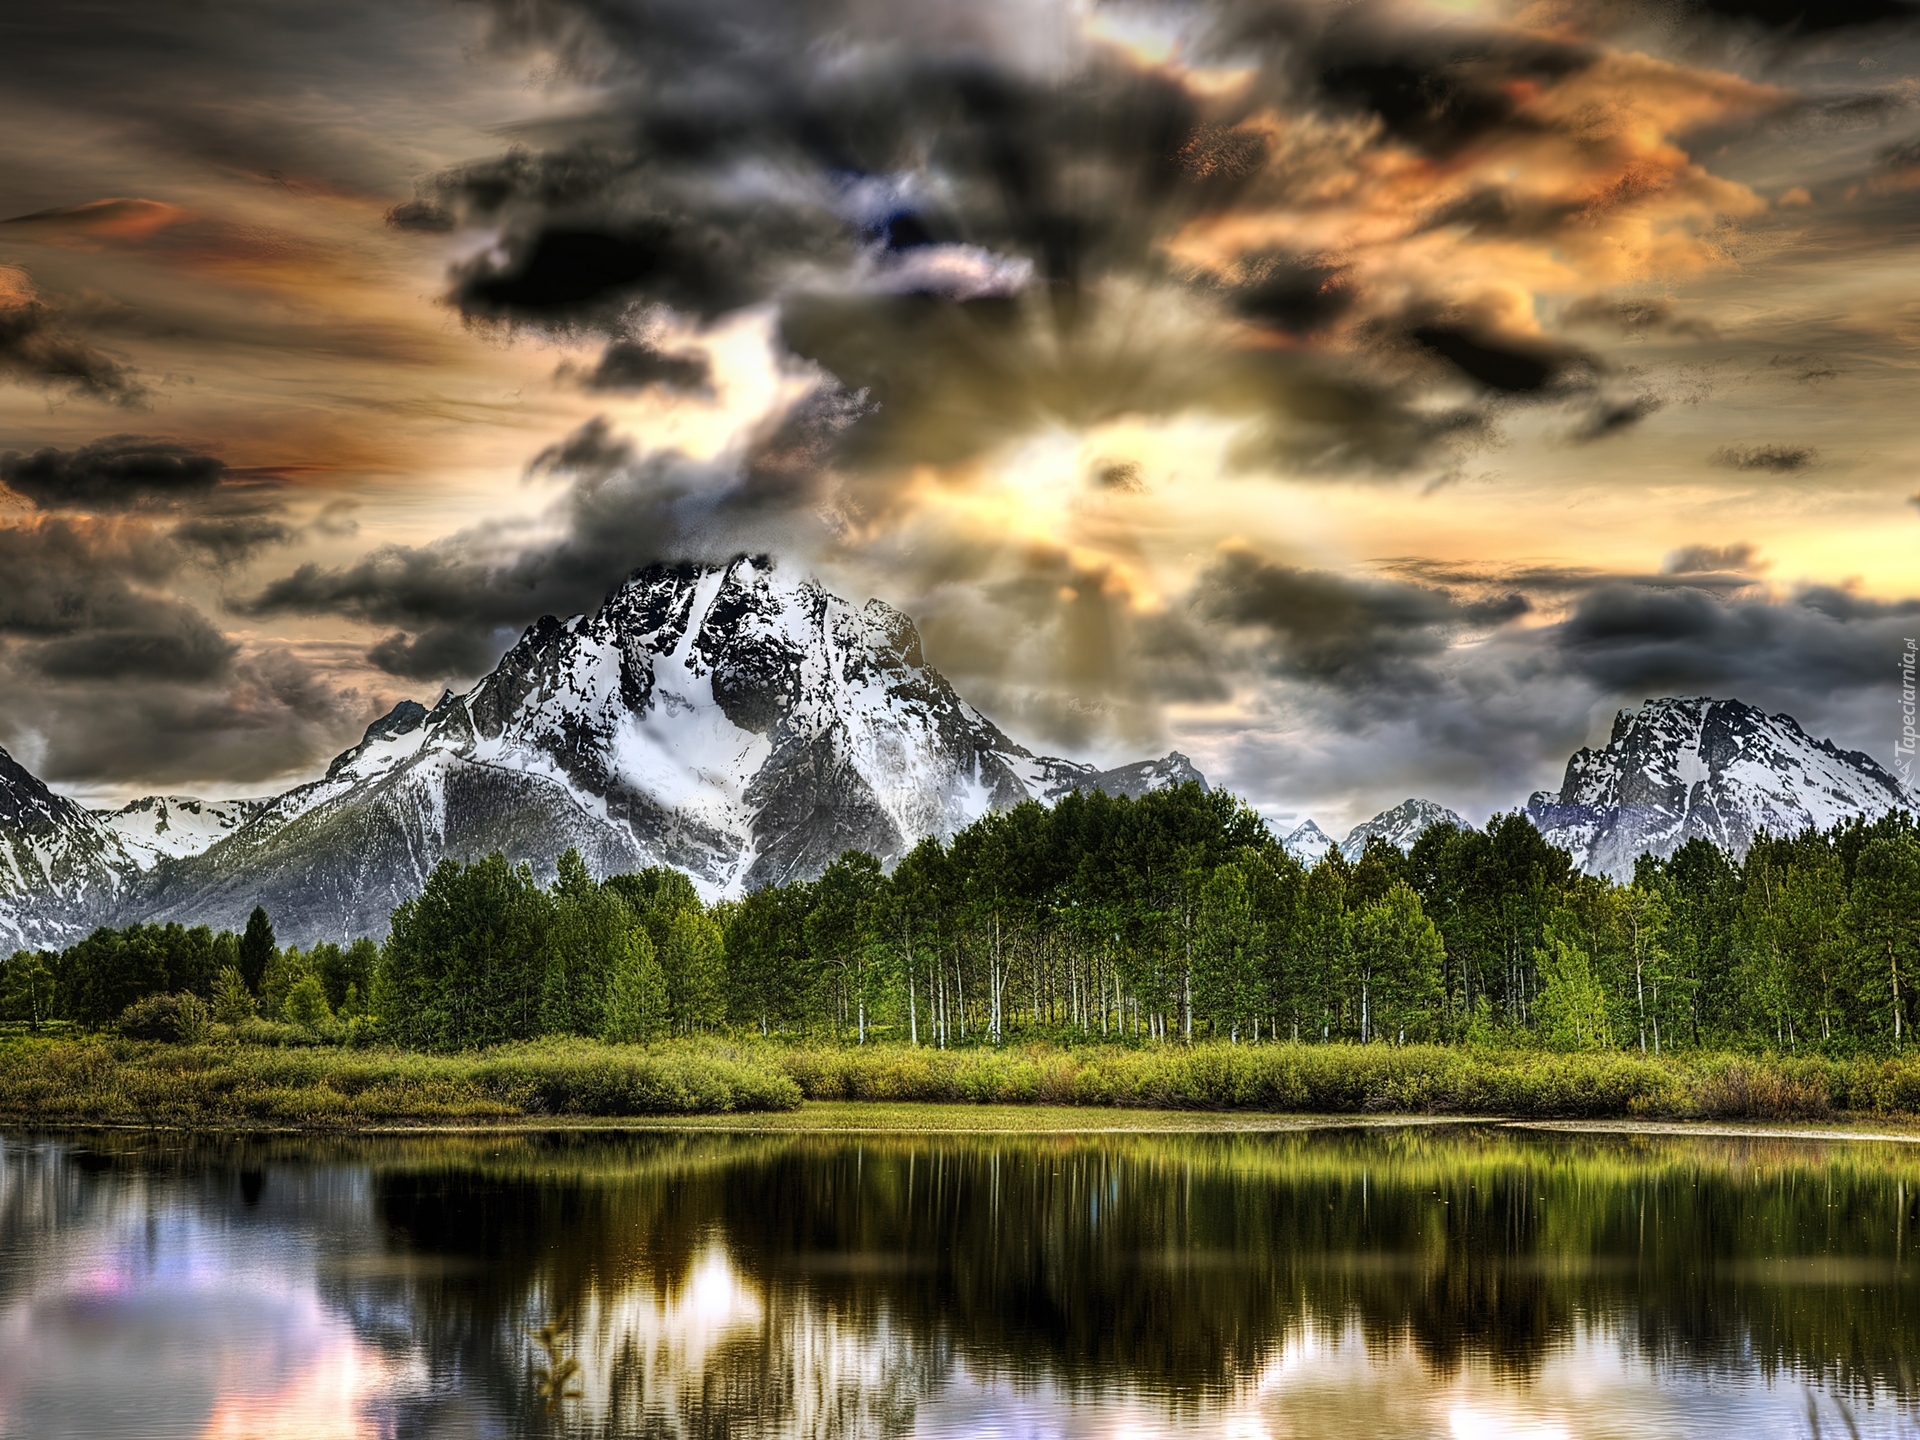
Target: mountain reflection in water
(1468, 1282)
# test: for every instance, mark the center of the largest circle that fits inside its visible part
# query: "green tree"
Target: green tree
(1883, 914)
(1399, 961)
(588, 931)
(1324, 937)
(636, 1006)
(771, 979)
(306, 1004)
(842, 932)
(286, 968)
(1572, 1008)
(693, 962)
(464, 962)
(1230, 946)
(256, 948)
(109, 970)
(31, 986)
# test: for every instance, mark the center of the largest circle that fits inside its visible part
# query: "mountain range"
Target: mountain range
(732, 720)
(745, 725)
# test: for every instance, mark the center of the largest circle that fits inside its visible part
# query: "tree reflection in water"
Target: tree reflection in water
(1389, 1279)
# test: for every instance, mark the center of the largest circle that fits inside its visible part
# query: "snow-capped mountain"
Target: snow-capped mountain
(734, 721)
(1307, 843)
(1400, 826)
(1718, 769)
(60, 868)
(168, 827)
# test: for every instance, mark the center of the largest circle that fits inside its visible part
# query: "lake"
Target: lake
(1457, 1281)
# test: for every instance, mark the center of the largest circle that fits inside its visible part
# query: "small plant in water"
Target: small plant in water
(556, 1379)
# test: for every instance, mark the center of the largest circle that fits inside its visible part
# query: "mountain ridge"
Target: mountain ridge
(731, 720)
(746, 726)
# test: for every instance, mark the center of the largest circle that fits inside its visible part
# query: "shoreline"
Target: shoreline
(941, 1119)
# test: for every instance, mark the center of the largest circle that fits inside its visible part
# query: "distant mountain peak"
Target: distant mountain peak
(1400, 826)
(1307, 843)
(1683, 767)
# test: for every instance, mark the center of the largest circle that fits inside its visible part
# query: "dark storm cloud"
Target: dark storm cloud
(38, 347)
(1811, 17)
(1512, 366)
(61, 576)
(254, 718)
(1291, 293)
(453, 606)
(227, 540)
(1355, 635)
(964, 233)
(1638, 639)
(438, 651)
(120, 472)
(1615, 417)
(635, 365)
(81, 600)
(191, 652)
(1774, 459)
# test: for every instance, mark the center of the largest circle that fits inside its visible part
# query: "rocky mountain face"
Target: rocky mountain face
(739, 723)
(1720, 770)
(60, 867)
(1400, 826)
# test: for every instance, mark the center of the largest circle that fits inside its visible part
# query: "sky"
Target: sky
(1367, 399)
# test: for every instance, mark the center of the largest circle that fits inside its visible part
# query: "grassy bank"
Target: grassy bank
(1374, 1079)
(91, 1080)
(102, 1081)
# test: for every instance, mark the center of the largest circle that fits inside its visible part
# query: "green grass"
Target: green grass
(1373, 1079)
(113, 1081)
(74, 1079)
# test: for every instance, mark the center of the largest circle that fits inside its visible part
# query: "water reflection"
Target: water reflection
(1468, 1283)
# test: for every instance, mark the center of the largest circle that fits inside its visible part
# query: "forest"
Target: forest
(1172, 918)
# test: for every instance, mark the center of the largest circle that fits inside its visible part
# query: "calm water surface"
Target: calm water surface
(1408, 1282)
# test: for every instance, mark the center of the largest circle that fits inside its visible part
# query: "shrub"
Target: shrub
(232, 1001)
(306, 1005)
(176, 1019)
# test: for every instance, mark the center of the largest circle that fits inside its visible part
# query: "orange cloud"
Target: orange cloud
(118, 218)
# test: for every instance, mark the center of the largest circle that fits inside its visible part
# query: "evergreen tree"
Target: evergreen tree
(285, 969)
(306, 1004)
(233, 1003)
(256, 948)
(110, 970)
